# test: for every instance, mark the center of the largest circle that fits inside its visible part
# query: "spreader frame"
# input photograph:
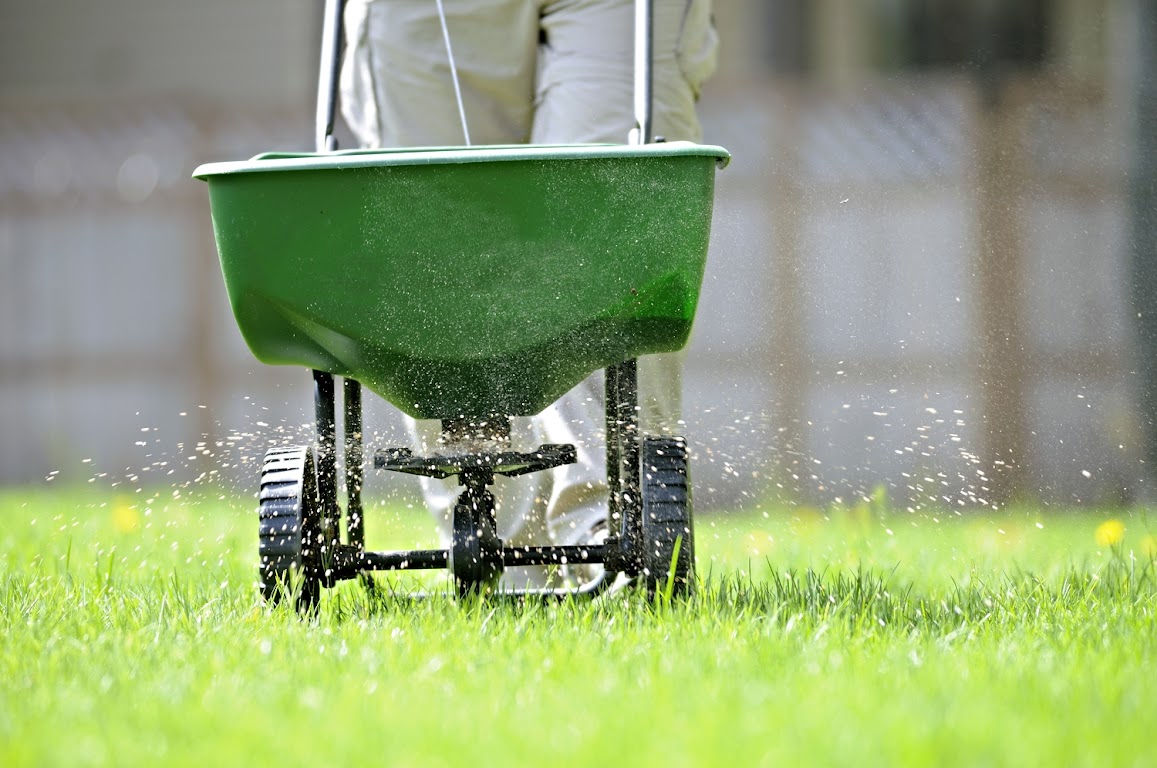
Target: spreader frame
(621, 552)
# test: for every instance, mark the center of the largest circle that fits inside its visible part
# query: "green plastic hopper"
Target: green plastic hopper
(465, 282)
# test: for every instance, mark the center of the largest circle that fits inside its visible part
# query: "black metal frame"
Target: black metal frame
(476, 561)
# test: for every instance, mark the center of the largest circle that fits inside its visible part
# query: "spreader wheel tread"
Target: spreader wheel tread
(289, 527)
(667, 517)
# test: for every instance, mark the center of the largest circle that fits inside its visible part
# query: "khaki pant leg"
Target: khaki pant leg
(396, 84)
(397, 90)
(585, 89)
(585, 93)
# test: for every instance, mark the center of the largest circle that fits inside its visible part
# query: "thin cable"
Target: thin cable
(453, 71)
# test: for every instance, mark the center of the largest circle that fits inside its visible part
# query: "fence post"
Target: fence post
(789, 343)
(1143, 246)
(1001, 354)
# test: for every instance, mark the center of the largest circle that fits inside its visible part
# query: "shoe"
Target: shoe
(587, 575)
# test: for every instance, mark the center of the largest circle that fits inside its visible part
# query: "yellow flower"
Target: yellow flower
(125, 517)
(1109, 533)
(806, 521)
(1149, 545)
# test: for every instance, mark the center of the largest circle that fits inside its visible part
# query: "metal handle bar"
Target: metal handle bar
(644, 44)
(327, 79)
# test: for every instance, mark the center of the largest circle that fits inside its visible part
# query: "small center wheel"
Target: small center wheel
(476, 554)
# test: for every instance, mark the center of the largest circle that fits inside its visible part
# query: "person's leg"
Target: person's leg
(396, 85)
(397, 91)
(585, 88)
(585, 93)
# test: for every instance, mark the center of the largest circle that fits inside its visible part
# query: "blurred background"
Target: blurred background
(931, 265)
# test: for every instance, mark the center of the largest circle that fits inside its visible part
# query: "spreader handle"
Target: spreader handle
(327, 79)
(644, 43)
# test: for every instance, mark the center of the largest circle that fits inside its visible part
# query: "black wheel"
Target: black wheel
(476, 554)
(665, 487)
(290, 528)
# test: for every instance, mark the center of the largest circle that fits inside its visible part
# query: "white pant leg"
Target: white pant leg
(585, 93)
(585, 86)
(396, 86)
(397, 90)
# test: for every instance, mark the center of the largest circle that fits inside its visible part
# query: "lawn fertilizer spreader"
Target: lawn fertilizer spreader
(468, 285)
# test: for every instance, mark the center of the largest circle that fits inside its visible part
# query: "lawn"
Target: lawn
(131, 633)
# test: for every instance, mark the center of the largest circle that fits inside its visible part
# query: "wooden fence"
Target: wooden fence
(920, 286)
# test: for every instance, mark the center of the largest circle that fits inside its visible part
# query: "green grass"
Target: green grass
(847, 637)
